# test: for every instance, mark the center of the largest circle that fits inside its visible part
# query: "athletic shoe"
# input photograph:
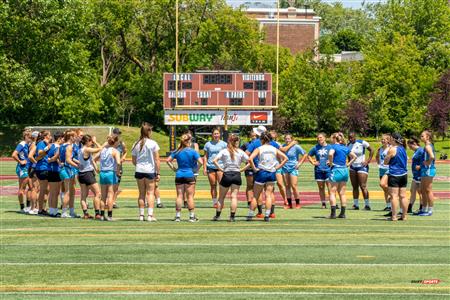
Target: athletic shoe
(418, 212)
(109, 219)
(26, 210)
(355, 207)
(151, 219)
(266, 219)
(65, 215)
(115, 205)
(43, 213)
(341, 216)
(74, 215)
(272, 216)
(249, 218)
(367, 207)
(160, 205)
(426, 214)
(260, 216)
(297, 206)
(177, 219)
(141, 218)
(98, 217)
(193, 219)
(216, 218)
(231, 219)
(387, 209)
(324, 205)
(286, 206)
(331, 217)
(389, 214)
(337, 206)
(402, 218)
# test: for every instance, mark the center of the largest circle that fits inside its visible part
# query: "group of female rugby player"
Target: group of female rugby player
(49, 166)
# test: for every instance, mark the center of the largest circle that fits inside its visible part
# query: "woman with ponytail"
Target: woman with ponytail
(427, 173)
(232, 157)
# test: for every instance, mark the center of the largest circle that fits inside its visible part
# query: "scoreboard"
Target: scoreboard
(213, 89)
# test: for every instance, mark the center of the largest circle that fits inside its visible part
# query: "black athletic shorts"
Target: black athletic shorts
(230, 178)
(87, 178)
(397, 181)
(42, 175)
(31, 172)
(53, 177)
(184, 180)
(249, 172)
(139, 175)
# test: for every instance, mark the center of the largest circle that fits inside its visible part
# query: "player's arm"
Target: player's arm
(157, 163)
(204, 162)
(69, 159)
(431, 157)
(15, 156)
(352, 156)
(125, 152)
(282, 157)
(116, 156)
(377, 156)
(390, 154)
(330, 157)
(250, 159)
(169, 162)
(369, 159)
(54, 157)
(216, 162)
(288, 146)
(31, 153)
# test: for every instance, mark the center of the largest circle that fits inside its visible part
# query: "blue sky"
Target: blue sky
(346, 3)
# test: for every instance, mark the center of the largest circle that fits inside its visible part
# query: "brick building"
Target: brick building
(299, 27)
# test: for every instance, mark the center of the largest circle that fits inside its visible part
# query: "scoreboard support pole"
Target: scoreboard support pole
(172, 138)
(225, 127)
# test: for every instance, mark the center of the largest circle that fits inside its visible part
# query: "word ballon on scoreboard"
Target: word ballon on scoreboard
(209, 89)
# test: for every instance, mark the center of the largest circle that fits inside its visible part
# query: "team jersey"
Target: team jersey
(382, 154)
(22, 152)
(62, 155)
(186, 160)
(120, 148)
(340, 155)
(85, 165)
(145, 156)
(107, 161)
(359, 149)
(397, 164)
(292, 154)
(41, 165)
(321, 155)
(256, 143)
(426, 157)
(232, 165)
(417, 160)
(33, 165)
(213, 148)
(53, 166)
(268, 158)
(75, 150)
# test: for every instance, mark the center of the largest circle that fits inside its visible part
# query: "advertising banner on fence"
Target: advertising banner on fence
(216, 117)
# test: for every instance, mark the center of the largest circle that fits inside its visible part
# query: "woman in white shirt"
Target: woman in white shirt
(270, 160)
(231, 158)
(145, 156)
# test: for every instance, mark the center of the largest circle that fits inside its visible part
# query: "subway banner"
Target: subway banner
(216, 117)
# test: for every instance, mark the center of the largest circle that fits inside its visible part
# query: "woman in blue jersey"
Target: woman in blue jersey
(109, 171)
(212, 148)
(54, 181)
(187, 159)
(337, 157)
(33, 183)
(417, 159)
(318, 157)
(383, 169)
(231, 158)
(249, 172)
(270, 159)
(290, 170)
(145, 156)
(281, 184)
(67, 173)
(86, 177)
(359, 169)
(41, 157)
(397, 160)
(20, 155)
(427, 173)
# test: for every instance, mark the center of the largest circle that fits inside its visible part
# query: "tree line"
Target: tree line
(89, 62)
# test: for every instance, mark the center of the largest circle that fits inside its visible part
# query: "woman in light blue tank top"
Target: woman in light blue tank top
(109, 172)
(383, 169)
(427, 172)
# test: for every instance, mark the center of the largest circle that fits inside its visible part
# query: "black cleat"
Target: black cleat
(249, 218)
(387, 209)
(216, 218)
(231, 219)
(355, 207)
(337, 206)
(160, 205)
(114, 205)
(324, 205)
(367, 207)
(331, 217)
(342, 216)
(266, 219)
(389, 214)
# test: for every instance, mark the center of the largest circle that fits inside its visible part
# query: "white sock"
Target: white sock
(267, 212)
(425, 209)
(250, 213)
(64, 210)
(388, 204)
(191, 214)
(61, 196)
(51, 212)
(55, 210)
(178, 214)
(214, 200)
(141, 211)
(158, 200)
(430, 209)
(366, 202)
(72, 211)
(150, 211)
(355, 202)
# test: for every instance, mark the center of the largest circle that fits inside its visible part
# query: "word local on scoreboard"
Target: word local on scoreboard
(216, 117)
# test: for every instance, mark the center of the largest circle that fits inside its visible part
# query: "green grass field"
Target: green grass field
(297, 255)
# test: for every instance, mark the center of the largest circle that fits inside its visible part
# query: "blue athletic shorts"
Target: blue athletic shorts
(279, 171)
(339, 175)
(108, 177)
(22, 171)
(321, 175)
(382, 172)
(262, 177)
(360, 169)
(66, 173)
(292, 172)
(427, 172)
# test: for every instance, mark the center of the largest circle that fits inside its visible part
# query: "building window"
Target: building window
(186, 85)
(235, 101)
(180, 101)
(217, 79)
(262, 101)
(204, 101)
(261, 85)
(172, 102)
(248, 85)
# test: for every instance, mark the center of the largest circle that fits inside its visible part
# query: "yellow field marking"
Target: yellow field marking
(365, 256)
(171, 287)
